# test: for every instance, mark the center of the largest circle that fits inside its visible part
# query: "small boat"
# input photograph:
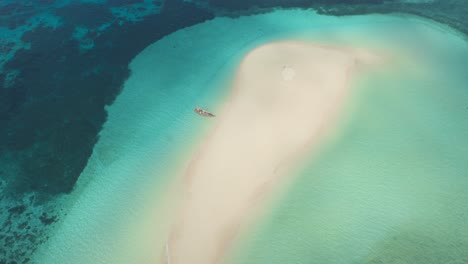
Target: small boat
(203, 112)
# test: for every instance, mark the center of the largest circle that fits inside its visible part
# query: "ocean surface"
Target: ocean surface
(96, 118)
(390, 184)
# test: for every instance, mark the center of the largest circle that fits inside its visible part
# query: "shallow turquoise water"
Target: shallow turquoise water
(390, 185)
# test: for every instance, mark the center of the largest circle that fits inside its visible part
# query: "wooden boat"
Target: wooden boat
(203, 112)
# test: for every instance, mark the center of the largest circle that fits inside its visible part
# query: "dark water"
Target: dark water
(62, 62)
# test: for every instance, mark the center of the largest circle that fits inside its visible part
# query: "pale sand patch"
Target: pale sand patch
(284, 96)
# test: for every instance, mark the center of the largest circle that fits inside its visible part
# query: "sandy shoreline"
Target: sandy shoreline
(284, 98)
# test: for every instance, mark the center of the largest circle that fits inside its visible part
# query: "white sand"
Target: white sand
(284, 97)
(114, 214)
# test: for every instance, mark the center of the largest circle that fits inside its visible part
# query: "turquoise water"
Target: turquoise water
(388, 186)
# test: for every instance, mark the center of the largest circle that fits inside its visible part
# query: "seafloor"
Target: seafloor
(62, 62)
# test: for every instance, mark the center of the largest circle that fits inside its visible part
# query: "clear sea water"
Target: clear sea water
(388, 185)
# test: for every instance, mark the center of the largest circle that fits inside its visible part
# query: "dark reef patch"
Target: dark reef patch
(15, 14)
(23, 229)
(47, 220)
(45, 2)
(16, 8)
(85, 14)
(14, 21)
(449, 12)
(236, 5)
(57, 102)
(6, 46)
(55, 108)
(122, 2)
(9, 9)
(121, 50)
(19, 209)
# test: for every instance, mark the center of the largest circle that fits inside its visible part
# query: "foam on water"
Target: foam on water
(392, 174)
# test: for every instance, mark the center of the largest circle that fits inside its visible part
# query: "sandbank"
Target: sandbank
(284, 98)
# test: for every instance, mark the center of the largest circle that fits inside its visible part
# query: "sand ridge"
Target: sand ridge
(284, 97)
